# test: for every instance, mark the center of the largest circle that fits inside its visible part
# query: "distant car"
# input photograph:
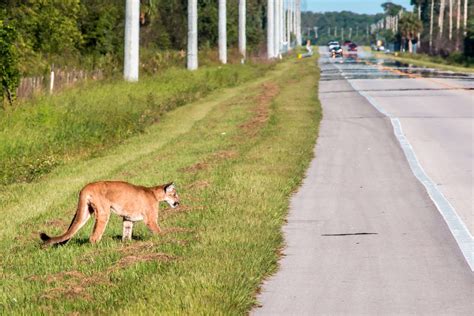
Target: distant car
(336, 51)
(333, 44)
(352, 47)
(347, 43)
(378, 48)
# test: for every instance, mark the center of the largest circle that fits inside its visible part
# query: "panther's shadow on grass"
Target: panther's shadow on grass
(134, 238)
(84, 241)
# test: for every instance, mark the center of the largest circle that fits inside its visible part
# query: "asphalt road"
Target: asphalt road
(364, 236)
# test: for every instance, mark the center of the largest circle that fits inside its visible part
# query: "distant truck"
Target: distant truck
(378, 46)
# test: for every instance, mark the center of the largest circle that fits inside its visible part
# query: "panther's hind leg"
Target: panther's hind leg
(102, 215)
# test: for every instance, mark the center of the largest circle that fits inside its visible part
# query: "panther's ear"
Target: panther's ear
(169, 187)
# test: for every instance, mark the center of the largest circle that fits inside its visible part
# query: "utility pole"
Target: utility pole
(242, 29)
(288, 23)
(131, 47)
(295, 21)
(222, 32)
(298, 23)
(350, 33)
(282, 23)
(277, 28)
(192, 35)
(270, 29)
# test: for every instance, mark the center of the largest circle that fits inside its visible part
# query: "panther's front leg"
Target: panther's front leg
(127, 230)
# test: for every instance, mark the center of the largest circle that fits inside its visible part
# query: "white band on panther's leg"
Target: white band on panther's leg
(127, 230)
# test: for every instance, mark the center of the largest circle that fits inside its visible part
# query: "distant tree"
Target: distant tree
(390, 8)
(49, 26)
(409, 26)
(9, 73)
(330, 21)
(100, 23)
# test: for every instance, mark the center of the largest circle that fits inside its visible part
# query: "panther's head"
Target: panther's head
(171, 196)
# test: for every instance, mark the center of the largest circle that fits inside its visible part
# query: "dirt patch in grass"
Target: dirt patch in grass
(198, 185)
(71, 284)
(57, 222)
(262, 110)
(195, 167)
(137, 247)
(211, 160)
(224, 154)
(133, 259)
(74, 284)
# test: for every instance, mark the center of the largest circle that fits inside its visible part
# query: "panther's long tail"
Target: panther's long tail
(80, 218)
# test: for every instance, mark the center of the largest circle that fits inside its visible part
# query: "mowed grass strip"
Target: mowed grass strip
(235, 157)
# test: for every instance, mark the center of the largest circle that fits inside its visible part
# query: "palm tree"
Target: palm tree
(458, 23)
(441, 17)
(465, 17)
(450, 19)
(409, 26)
(298, 22)
(431, 25)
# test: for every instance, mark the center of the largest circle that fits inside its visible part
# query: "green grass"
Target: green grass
(236, 156)
(436, 62)
(37, 136)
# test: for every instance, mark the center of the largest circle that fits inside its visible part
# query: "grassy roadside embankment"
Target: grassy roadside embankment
(41, 134)
(236, 156)
(423, 60)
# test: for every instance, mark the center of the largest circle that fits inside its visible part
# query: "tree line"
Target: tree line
(345, 25)
(37, 35)
(91, 32)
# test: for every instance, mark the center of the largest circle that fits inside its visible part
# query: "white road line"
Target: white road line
(459, 230)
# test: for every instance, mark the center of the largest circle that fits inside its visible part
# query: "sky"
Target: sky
(358, 6)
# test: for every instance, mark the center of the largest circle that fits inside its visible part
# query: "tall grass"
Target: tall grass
(37, 136)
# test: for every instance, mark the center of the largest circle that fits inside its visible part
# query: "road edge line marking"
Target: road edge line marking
(458, 229)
